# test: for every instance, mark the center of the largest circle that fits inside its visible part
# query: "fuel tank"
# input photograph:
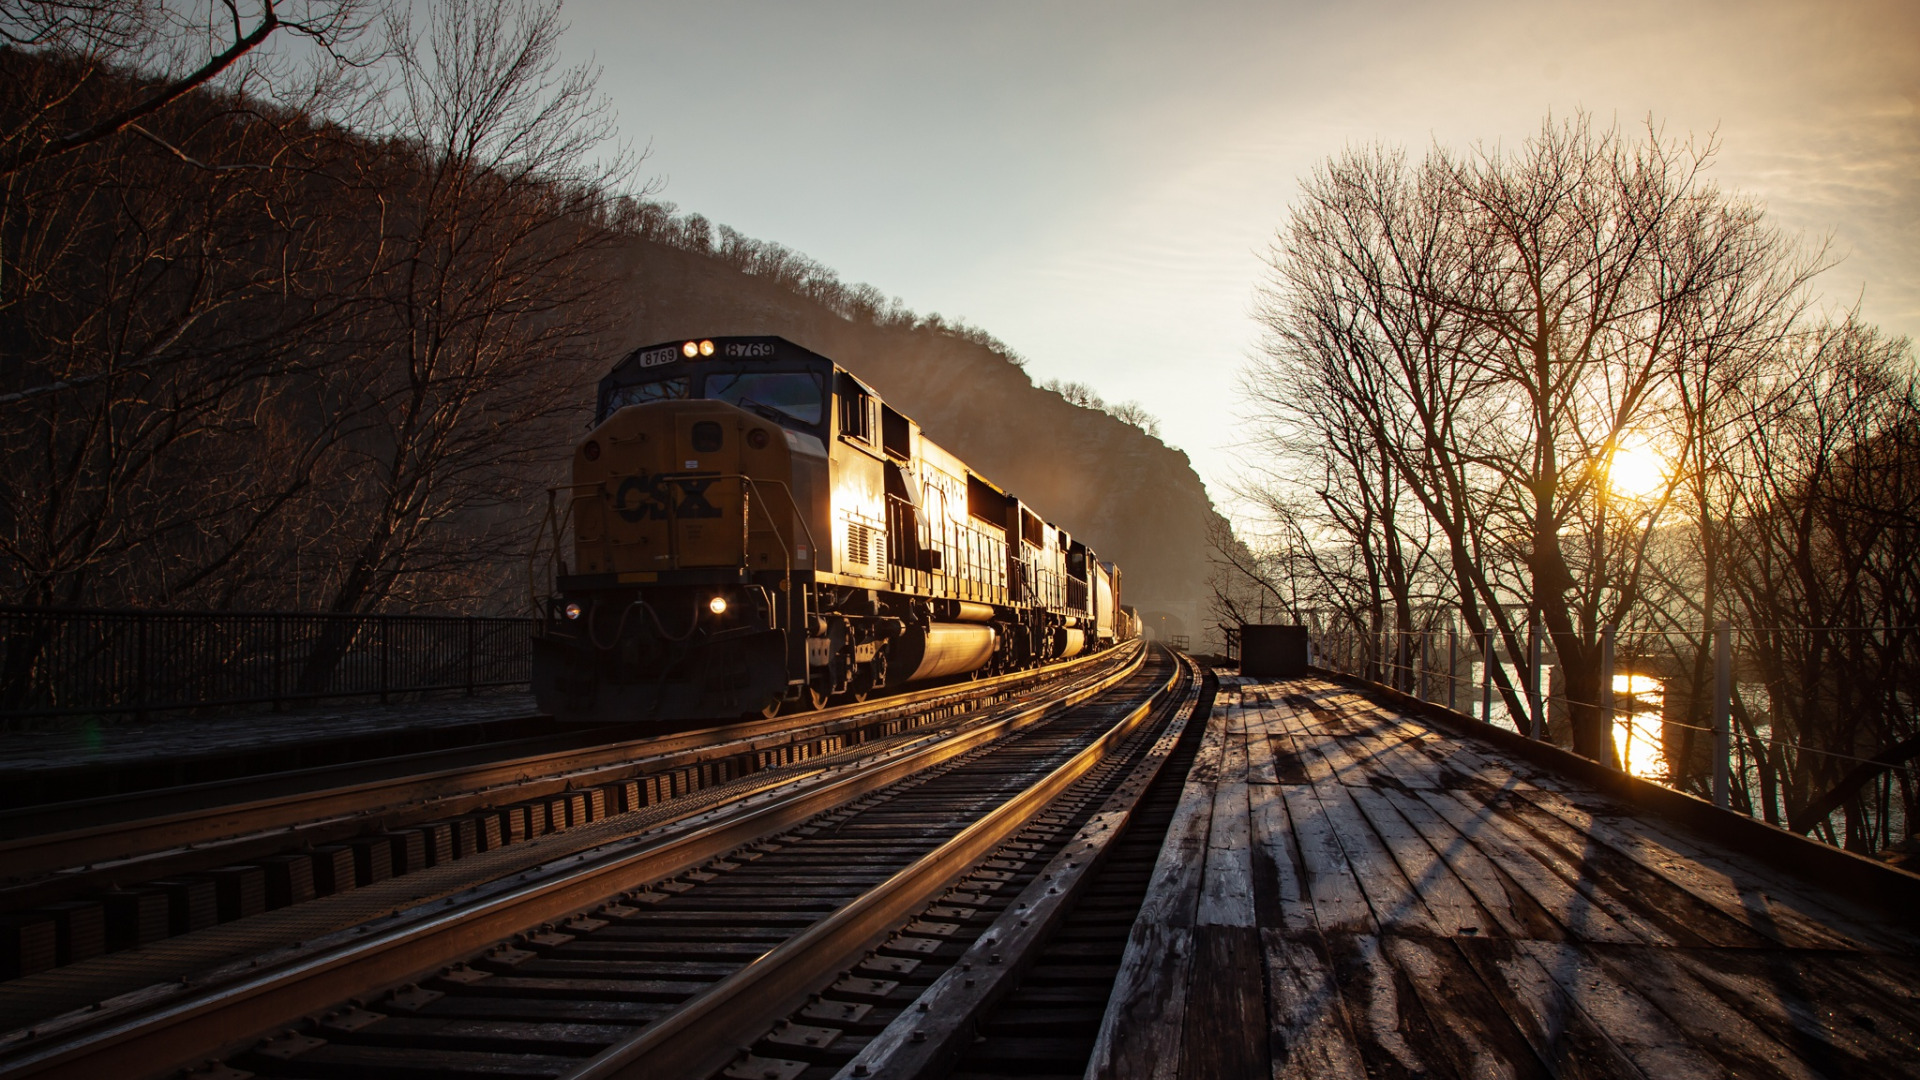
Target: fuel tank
(1069, 643)
(945, 649)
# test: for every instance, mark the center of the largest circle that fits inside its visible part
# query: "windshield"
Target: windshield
(791, 395)
(641, 393)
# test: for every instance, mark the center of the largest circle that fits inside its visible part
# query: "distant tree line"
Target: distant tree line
(301, 301)
(1083, 395)
(1461, 351)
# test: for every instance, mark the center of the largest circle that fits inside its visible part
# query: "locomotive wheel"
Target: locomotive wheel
(861, 684)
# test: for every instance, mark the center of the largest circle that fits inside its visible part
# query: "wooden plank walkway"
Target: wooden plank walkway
(1349, 892)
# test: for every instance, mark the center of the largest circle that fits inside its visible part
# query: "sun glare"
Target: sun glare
(1636, 724)
(1638, 470)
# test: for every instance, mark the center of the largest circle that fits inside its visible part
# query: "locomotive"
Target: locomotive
(753, 528)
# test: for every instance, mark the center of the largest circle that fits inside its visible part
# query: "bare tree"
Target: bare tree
(1494, 326)
(179, 47)
(1076, 393)
(1132, 412)
(157, 314)
(1823, 566)
(495, 203)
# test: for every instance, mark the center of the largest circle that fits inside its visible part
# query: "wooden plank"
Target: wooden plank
(1288, 766)
(1141, 1034)
(1490, 769)
(1233, 757)
(1390, 1028)
(1379, 733)
(1313, 737)
(1768, 902)
(1571, 1045)
(1514, 913)
(1226, 889)
(1396, 906)
(1309, 1035)
(1837, 1023)
(1339, 905)
(1453, 907)
(1577, 914)
(1307, 743)
(1419, 750)
(1584, 910)
(1655, 884)
(1225, 1033)
(1714, 1027)
(1272, 836)
(1752, 894)
(1173, 893)
(1471, 1026)
(1645, 1034)
(1260, 764)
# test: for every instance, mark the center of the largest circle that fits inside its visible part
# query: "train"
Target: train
(754, 529)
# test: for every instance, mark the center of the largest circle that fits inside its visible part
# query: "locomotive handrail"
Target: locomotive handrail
(558, 521)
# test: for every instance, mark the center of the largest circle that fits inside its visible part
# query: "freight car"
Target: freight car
(754, 528)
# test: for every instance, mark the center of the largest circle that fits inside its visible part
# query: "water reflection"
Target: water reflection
(1636, 725)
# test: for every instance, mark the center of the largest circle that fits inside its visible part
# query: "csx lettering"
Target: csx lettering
(647, 498)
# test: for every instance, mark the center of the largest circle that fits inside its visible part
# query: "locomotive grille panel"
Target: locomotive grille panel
(859, 544)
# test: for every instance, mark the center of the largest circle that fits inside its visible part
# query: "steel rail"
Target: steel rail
(704, 1034)
(193, 1024)
(121, 852)
(928, 1038)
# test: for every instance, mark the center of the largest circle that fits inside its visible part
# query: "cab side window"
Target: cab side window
(856, 409)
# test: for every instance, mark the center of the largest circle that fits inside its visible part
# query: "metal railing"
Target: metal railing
(1760, 720)
(65, 662)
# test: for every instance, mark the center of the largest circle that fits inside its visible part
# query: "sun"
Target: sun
(1638, 470)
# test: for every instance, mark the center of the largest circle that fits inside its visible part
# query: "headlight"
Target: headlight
(690, 350)
(706, 348)
(717, 605)
(573, 611)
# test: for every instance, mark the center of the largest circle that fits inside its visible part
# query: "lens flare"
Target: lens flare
(1638, 470)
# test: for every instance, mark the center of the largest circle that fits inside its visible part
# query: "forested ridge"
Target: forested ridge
(320, 337)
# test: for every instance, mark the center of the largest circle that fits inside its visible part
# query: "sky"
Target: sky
(1095, 184)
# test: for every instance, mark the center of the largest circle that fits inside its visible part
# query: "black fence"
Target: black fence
(56, 662)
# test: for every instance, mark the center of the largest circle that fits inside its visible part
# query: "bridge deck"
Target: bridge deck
(1350, 892)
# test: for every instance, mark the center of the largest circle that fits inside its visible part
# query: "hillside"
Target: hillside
(1133, 499)
(253, 362)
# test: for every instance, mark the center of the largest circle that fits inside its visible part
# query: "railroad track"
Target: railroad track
(54, 853)
(179, 1023)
